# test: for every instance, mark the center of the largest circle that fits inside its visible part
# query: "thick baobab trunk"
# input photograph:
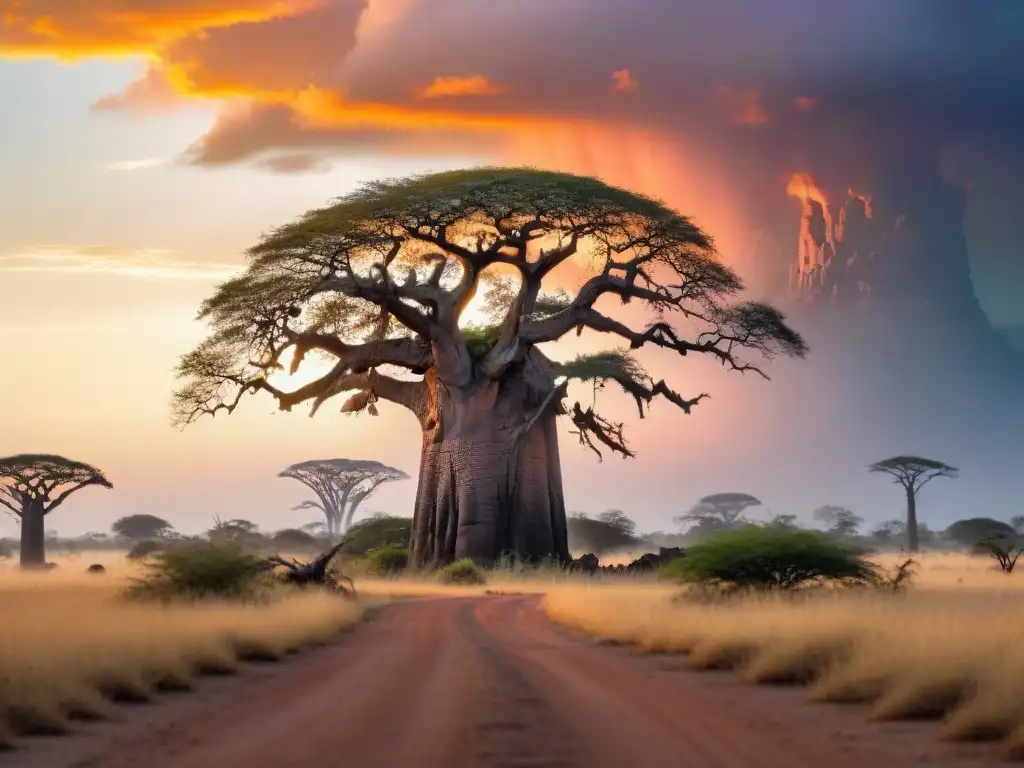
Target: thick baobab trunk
(490, 479)
(33, 538)
(912, 542)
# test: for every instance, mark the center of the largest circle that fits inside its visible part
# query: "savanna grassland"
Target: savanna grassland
(72, 646)
(947, 648)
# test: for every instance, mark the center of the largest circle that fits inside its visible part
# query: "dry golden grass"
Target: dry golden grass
(71, 645)
(951, 647)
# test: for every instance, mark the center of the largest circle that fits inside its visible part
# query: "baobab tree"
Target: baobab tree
(721, 510)
(32, 486)
(341, 486)
(378, 283)
(913, 472)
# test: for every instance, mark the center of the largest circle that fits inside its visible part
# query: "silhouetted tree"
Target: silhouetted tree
(382, 278)
(341, 486)
(141, 527)
(618, 519)
(724, 509)
(294, 540)
(969, 532)
(237, 531)
(1005, 550)
(32, 486)
(608, 531)
(840, 521)
(786, 522)
(913, 472)
(889, 530)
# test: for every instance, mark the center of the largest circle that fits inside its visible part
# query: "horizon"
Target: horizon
(145, 157)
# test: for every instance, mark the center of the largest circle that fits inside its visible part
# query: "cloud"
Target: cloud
(150, 93)
(147, 264)
(69, 29)
(623, 80)
(742, 107)
(453, 85)
(135, 165)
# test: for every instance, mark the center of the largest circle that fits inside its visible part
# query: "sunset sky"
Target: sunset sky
(149, 142)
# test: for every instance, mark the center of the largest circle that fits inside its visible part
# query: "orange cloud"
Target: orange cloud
(805, 103)
(71, 29)
(623, 80)
(743, 107)
(150, 93)
(476, 85)
(318, 108)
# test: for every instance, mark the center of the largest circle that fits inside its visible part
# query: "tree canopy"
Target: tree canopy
(719, 509)
(43, 481)
(381, 278)
(973, 530)
(912, 472)
(341, 486)
(607, 531)
(141, 527)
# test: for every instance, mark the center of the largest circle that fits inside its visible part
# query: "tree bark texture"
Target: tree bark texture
(33, 537)
(912, 540)
(490, 481)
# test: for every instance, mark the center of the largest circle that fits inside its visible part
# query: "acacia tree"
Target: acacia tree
(378, 283)
(913, 472)
(32, 486)
(721, 510)
(840, 520)
(341, 485)
(141, 527)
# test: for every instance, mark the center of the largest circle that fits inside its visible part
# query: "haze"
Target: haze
(148, 144)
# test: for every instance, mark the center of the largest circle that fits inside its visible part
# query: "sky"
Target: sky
(148, 143)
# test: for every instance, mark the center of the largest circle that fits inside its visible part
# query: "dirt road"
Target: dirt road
(460, 682)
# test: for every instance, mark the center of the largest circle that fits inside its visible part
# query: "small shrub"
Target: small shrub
(144, 549)
(1005, 550)
(463, 571)
(769, 558)
(95, 568)
(376, 532)
(387, 560)
(201, 570)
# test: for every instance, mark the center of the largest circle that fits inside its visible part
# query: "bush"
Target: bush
(463, 571)
(377, 532)
(387, 560)
(294, 540)
(144, 549)
(770, 558)
(201, 570)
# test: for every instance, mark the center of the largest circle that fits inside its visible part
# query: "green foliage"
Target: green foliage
(144, 549)
(769, 558)
(617, 365)
(387, 560)
(200, 570)
(376, 532)
(480, 339)
(463, 571)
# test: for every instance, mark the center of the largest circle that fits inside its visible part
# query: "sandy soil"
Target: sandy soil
(486, 681)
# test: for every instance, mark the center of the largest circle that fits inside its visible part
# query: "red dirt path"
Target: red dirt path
(486, 681)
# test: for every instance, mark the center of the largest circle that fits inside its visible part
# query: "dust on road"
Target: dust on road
(485, 682)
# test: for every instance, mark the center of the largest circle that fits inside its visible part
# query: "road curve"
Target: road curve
(484, 682)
